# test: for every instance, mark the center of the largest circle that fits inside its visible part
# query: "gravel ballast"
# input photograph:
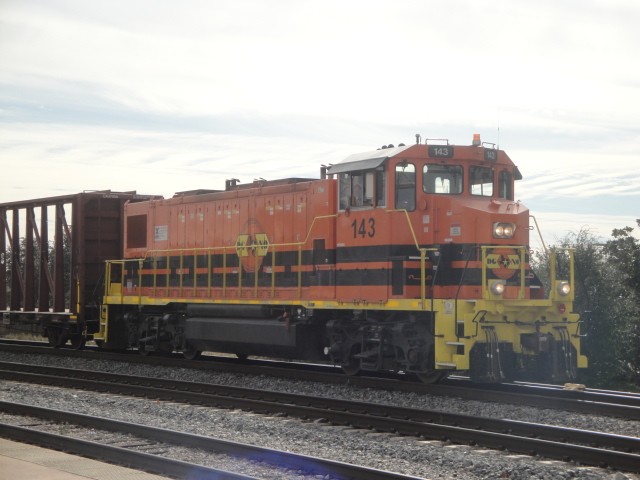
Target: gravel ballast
(411, 456)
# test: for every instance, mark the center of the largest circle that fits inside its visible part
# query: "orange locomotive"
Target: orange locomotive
(410, 258)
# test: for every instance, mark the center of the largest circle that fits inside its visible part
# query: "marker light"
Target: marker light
(564, 288)
(476, 140)
(497, 288)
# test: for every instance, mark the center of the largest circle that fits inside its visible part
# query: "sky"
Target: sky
(164, 96)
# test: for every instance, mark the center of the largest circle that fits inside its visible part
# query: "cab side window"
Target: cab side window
(406, 186)
(362, 189)
(381, 188)
(505, 185)
(345, 190)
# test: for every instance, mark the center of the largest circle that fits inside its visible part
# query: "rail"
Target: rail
(423, 260)
(231, 259)
(506, 259)
(544, 246)
(615, 450)
(261, 249)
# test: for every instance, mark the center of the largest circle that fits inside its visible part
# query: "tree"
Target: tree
(624, 250)
(608, 303)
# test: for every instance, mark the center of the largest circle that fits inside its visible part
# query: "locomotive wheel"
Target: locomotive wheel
(190, 353)
(434, 376)
(353, 367)
(78, 341)
(142, 349)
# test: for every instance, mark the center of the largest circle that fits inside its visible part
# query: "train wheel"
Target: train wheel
(190, 353)
(78, 341)
(143, 351)
(52, 337)
(434, 376)
(353, 367)
(55, 337)
(142, 348)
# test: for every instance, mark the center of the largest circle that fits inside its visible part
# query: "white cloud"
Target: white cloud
(184, 96)
(556, 226)
(362, 60)
(64, 159)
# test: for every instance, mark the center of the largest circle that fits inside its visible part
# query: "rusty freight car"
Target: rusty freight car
(53, 252)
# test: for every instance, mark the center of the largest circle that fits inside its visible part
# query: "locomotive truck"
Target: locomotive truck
(412, 259)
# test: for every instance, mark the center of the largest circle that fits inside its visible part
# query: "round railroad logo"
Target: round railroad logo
(503, 262)
(252, 245)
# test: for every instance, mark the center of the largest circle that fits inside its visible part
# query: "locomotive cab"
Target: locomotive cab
(443, 221)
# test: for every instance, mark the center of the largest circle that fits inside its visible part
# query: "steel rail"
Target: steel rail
(503, 434)
(116, 455)
(548, 432)
(276, 458)
(618, 405)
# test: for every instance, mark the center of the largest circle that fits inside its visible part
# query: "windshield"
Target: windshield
(445, 179)
(481, 181)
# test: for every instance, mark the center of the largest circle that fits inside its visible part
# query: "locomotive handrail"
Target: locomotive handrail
(155, 254)
(539, 233)
(553, 274)
(423, 259)
(182, 252)
(553, 278)
(406, 214)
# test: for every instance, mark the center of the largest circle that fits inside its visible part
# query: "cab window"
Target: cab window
(481, 181)
(345, 191)
(362, 189)
(381, 188)
(406, 186)
(505, 185)
(444, 179)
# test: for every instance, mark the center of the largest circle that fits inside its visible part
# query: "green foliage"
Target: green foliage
(607, 280)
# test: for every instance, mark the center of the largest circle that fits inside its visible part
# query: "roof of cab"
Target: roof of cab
(365, 160)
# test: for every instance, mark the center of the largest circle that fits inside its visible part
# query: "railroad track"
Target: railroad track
(590, 401)
(136, 455)
(589, 448)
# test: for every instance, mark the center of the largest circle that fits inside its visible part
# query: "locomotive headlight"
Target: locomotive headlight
(563, 288)
(503, 230)
(497, 287)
